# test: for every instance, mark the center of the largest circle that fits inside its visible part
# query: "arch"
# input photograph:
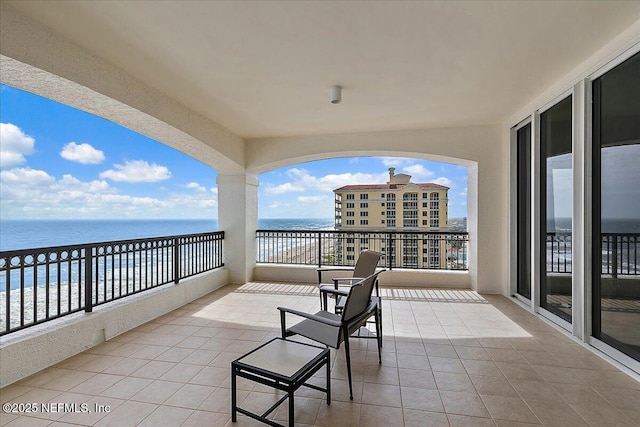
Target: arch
(35, 60)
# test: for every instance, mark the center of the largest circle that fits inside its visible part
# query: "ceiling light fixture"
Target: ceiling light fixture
(336, 94)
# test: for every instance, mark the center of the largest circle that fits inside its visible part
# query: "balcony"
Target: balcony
(457, 346)
(448, 357)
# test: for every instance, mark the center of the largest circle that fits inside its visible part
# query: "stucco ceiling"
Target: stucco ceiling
(265, 68)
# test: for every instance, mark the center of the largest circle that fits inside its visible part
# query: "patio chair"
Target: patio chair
(333, 329)
(365, 267)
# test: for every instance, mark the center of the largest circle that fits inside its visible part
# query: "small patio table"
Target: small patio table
(284, 365)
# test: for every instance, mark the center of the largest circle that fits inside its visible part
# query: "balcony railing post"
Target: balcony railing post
(614, 255)
(88, 279)
(390, 250)
(176, 260)
(319, 249)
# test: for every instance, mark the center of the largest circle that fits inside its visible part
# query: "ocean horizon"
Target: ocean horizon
(18, 234)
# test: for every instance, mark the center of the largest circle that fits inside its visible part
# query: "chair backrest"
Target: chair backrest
(366, 264)
(358, 298)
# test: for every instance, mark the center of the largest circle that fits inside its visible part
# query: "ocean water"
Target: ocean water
(28, 234)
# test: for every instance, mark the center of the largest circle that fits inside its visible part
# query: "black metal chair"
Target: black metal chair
(365, 267)
(332, 329)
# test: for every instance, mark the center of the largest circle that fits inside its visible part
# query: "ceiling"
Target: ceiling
(263, 69)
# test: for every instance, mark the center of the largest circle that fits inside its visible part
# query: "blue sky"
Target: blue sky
(58, 163)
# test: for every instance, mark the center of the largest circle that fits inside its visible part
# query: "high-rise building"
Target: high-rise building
(400, 206)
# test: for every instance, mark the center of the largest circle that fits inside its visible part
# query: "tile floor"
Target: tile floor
(449, 358)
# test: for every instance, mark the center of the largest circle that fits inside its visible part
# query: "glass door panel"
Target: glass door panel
(556, 202)
(616, 208)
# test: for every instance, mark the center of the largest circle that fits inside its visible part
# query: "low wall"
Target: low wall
(396, 277)
(28, 351)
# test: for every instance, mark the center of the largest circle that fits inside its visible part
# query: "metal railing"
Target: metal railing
(620, 253)
(400, 249)
(37, 285)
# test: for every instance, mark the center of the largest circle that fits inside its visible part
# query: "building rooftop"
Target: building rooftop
(427, 185)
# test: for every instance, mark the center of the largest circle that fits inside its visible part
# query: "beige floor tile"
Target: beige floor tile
(306, 410)
(129, 366)
(493, 386)
(472, 353)
(558, 374)
(417, 379)
(582, 394)
(463, 404)
(166, 416)
(555, 413)
(603, 416)
(424, 400)
(619, 398)
(97, 408)
(520, 371)
(174, 354)
(128, 414)
(157, 392)
(189, 396)
(446, 364)
(181, 373)
(205, 418)
(412, 361)
(466, 421)
(416, 418)
(535, 390)
(482, 367)
(509, 408)
(381, 394)
(96, 384)
(339, 414)
(153, 369)
(382, 416)
(126, 388)
(24, 421)
(13, 391)
(454, 382)
(381, 375)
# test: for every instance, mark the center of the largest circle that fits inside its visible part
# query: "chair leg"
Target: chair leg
(379, 335)
(348, 356)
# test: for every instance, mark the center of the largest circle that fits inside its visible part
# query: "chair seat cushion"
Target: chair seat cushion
(325, 334)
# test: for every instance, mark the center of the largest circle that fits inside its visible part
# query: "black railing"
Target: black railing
(400, 249)
(37, 285)
(620, 253)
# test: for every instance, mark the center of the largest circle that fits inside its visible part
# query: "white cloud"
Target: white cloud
(302, 179)
(284, 189)
(196, 187)
(82, 153)
(443, 181)
(30, 193)
(275, 205)
(14, 145)
(26, 177)
(396, 162)
(137, 171)
(418, 172)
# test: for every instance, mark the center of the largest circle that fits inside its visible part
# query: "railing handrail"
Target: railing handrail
(385, 231)
(75, 246)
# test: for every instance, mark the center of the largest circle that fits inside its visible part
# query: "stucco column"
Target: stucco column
(238, 218)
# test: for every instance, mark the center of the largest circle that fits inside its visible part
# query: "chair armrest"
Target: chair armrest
(314, 317)
(331, 290)
(320, 270)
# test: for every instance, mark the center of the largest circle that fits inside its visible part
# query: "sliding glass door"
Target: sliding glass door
(556, 208)
(616, 207)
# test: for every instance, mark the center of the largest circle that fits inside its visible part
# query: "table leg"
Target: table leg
(233, 396)
(291, 412)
